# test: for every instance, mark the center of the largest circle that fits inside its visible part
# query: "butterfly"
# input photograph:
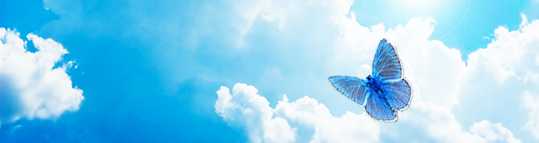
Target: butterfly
(384, 92)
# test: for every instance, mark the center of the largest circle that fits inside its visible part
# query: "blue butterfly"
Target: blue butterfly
(385, 92)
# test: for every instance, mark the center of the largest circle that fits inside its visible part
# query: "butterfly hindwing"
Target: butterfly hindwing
(352, 87)
(398, 94)
(378, 108)
(386, 64)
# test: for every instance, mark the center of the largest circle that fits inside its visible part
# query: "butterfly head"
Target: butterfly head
(369, 78)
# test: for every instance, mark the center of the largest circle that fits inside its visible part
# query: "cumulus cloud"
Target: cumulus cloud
(419, 55)
(251, 111)
(506, 72)
(531, 103)
(510, 54)
(289, 15)
(493, 132)
(30, 85)
(441, 80)
(304, 120)
(438, 123)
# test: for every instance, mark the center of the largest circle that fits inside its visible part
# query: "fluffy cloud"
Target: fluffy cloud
(30, 85)
(419, 55)
(289, 15)
(253, 113)
(493, 132)
(440, 125)
(506, 73)
(510, 54)
(497, 73)
(440, 78)
(304, 120)
(443, 83)
(531, 103)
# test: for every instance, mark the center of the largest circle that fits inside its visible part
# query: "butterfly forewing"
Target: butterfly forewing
(386, 63)
(378, 108)
(351, 87)
(398, 94)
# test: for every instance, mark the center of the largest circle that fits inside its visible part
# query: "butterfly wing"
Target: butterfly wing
(352, 87)
(386, 64)
(398, 94)
(387, 67)
(378, 108)
(395, 91)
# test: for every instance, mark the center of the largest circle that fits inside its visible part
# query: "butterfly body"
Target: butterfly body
(374, 84)
(384, 92)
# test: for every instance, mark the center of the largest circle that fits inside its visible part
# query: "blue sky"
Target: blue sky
(161, 71)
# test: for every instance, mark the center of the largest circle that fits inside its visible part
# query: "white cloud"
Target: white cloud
(289, 15)
(438, 74)
(306, 120)
(300, 121)
(435, 121)
(510, 54)
(29, 85)
(531, 103)
(441, 80)
(493, 132)
(307, 114)
(431, 122)
(357, 45)
(249, 110)
(503, 70)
